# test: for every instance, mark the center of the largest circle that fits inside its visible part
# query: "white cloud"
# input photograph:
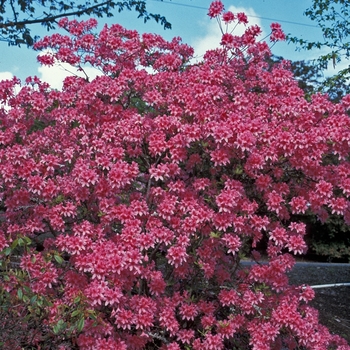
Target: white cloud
(213, 35)
(5, 76)
(334, 69)
(54, 75)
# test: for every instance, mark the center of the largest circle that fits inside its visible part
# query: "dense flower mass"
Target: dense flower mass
(128, 200)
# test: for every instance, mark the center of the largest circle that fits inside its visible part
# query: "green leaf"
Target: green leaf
(56, 329)
(20, 294)
(6, 278)
(238, 170)
(59, 199)
(76, 300)
(14, 244)
(61, 324)
(27, 240)
(27, 289)
(58, 259)
(214, 234)
(75, 313)
(92, 315)
(80, 324)
(7, 251)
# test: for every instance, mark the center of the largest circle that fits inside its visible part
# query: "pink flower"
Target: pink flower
(123, 318)
(324, 189)
(232, 242)
(279, 236)
(296, 244)
(168, 320)
(242, 18)
(177, 255)
(307, 293)
(338, 205)
(215, 9)
(298, 205)
(173, 346)
(227, 39)
(188, 311)
(274, 202)
(277, 33)
(185, 336)
(220, 157)
(3, 241)
(228, 17)
(228, 297)
(213, 342)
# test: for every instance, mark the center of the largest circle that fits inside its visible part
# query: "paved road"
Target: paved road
(301, 263)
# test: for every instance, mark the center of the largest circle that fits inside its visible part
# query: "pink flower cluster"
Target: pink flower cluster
(147, 183)
(241, 45)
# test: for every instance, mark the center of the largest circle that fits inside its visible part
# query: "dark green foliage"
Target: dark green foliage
(337, 86)
(311, 79)
(308, 76)
(16, 17)
(330, 239)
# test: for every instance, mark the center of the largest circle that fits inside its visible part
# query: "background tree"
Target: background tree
(16, 17)
(332, 16)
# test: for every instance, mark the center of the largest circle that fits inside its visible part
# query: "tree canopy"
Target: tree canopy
(333, 18)
(17, 16)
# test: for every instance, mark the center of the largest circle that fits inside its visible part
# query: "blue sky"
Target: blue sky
(190, 21)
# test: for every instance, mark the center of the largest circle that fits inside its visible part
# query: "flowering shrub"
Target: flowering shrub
(130, 199)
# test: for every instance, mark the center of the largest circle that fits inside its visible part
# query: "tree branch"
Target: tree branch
(53, 18)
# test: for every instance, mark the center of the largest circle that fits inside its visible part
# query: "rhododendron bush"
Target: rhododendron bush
(129, 200)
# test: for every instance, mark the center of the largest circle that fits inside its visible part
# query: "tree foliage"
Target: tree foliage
(333, 18)
(17, 17)
(129, 200)
(330, 239)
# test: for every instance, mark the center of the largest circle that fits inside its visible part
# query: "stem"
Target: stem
(148, 189)
(14, 11)
(154, 252)
(47, 222)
